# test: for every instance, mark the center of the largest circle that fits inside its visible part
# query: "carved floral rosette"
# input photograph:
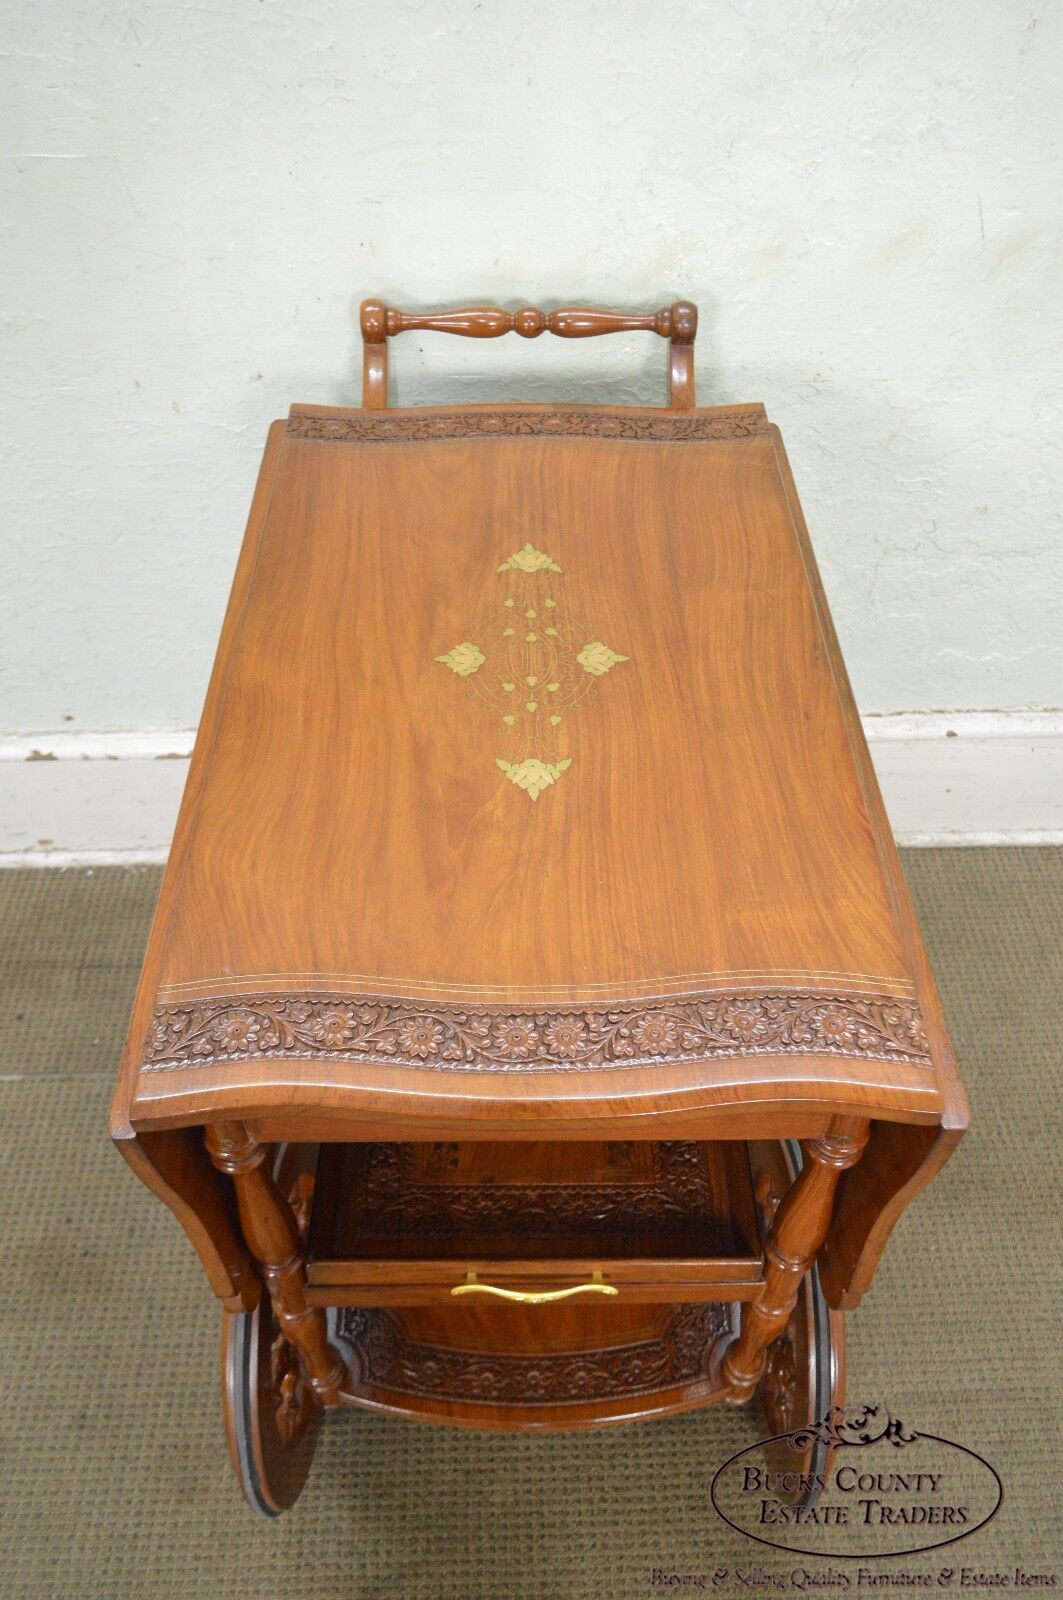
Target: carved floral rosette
(468, 1038)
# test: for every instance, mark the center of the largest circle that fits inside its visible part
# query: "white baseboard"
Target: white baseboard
(965, 778)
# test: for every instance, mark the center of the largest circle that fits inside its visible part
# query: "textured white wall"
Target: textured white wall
(863, 197)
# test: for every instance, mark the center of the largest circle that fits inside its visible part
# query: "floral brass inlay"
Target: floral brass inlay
(464, 659)
(597, 658)
(531, 775)
(529, 560)
(531, 662)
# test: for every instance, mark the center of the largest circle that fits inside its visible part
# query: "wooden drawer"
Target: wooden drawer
(407, 1224)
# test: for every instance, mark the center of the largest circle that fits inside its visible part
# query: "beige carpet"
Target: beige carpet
(115, 1476)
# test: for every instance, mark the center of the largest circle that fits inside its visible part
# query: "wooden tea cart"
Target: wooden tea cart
(535, 1031)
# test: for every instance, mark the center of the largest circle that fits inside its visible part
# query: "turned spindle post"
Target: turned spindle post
(273, 1238)
(677, 323)
(797, 1231)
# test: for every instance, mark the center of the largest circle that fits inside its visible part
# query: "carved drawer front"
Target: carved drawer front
(433, 1224)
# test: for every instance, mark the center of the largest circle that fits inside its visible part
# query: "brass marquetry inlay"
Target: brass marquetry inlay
(531, 662)
(529, 560)
(464, 659)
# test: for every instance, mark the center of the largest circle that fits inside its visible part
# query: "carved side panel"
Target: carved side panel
(389, 1360)
(399, 1198)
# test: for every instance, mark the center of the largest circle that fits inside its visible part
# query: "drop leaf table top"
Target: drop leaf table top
(530, 801)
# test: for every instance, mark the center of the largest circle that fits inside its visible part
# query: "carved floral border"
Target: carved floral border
(469, 1038)
(739, 422)
(682, 1353)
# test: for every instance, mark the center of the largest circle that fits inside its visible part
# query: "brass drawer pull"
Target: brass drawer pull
(534, 1297)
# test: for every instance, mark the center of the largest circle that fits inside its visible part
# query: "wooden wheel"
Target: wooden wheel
(804, 1374)
(271, 1417)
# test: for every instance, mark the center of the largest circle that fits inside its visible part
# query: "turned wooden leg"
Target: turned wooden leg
(272, 1236)
(799, 1228)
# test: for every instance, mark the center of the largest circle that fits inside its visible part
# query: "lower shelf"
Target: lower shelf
(533, 1368)
(512, 1367)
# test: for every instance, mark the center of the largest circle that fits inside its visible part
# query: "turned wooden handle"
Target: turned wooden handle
(677, 323)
